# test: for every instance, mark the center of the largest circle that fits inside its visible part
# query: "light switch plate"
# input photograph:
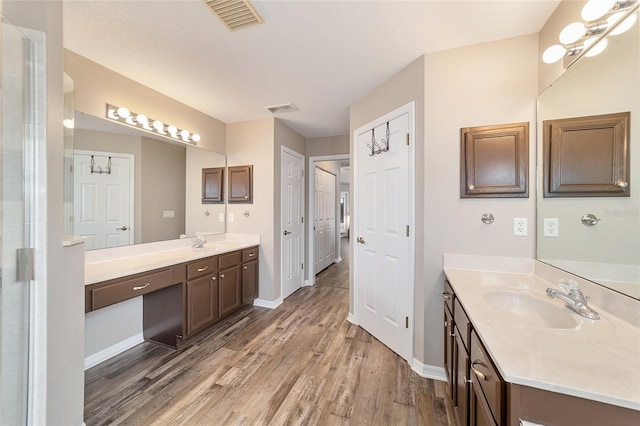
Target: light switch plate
(551, 226)
(520, 226)
(230, 217)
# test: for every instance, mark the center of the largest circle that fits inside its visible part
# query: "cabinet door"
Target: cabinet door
(461, 381)
(448, 347)
(230, 290)
(240, 184)
(202, 302)
(479, 412)
(249, 281)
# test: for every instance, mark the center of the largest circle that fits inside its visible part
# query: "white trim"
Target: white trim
(405, 109)
(311, 276)
(429, 371)
(270, 304)
(112, 350)
(350, 318)
(301, 158)
(132, 182)
(338, 259)
(307, 283)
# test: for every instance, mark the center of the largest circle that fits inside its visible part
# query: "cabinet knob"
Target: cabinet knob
(221, 275)
(245, 267)
(446, 296)
(246, 196)
(213, 278)
(471, 187)
(621, 184)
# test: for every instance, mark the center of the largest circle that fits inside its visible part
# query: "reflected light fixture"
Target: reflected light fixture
(600, 16)
(141, 121)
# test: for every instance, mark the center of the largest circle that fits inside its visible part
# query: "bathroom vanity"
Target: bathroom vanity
(184, 290)
(512, 353)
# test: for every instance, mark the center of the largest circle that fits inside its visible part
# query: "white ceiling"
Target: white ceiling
(321, 55)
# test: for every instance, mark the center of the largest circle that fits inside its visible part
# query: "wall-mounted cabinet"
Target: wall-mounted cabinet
(240, 184)
(587, 156)
(212, 185)
(494, 161)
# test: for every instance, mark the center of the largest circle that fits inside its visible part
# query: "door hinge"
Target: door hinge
(302, 219)
(25, 264)
(70, 168)
(302, 173)
(407, 138)
(302, 266)
(406, 322)
(407, 230)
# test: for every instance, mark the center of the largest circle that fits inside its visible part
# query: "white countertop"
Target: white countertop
(555, 350)
(103, 265)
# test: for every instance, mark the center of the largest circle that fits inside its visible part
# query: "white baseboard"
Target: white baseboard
(308, 283)
(271, 304)
(338, 259)
(350, 318)
(112, 351)
(429, 371)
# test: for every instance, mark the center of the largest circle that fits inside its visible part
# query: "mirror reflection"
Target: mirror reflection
(130, 188)
(608, 252)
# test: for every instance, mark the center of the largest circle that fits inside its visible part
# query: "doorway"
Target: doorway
(292, 225)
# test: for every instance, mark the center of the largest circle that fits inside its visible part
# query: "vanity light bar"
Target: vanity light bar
(141, 121)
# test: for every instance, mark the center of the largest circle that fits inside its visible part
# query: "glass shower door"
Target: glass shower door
(16, 152)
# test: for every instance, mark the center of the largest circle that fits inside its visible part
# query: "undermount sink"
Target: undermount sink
(534, 311)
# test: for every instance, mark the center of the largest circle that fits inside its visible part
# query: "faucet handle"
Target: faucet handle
(568, 284)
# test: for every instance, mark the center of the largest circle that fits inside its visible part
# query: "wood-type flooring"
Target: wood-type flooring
(302, 363)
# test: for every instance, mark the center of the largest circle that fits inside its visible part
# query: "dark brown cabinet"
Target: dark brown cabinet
(230, 290)
(494, 161)
(202, 302)
(240, 184)
(212, 185)
(249, 281)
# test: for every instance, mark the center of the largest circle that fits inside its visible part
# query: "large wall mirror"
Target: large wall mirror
(609, 251)
(132, 187)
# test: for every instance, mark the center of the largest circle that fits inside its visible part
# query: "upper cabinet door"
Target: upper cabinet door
(212, 185)
(587, 156)
(494, 161)
(240, 184)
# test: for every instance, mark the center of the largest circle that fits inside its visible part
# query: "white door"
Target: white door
(324, 226)
(382, 244)
(103, 207)
(292, 213)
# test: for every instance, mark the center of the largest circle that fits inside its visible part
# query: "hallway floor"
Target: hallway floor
(302, 363)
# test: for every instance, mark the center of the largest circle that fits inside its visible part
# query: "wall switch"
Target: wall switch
(520, 226)
(168, 214)
(551, 227)
(220, 217)
(230, 217)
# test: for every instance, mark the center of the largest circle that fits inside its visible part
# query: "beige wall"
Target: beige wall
(95, 85)
(489, 83)
(332, 145)
(406, 86)
(252, 142)
(163, 188)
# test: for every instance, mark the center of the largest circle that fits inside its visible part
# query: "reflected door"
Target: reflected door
(324, 225)
(16, 171)
(103, 206)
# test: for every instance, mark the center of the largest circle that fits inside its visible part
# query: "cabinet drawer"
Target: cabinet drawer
(448, 296)
(249, 254)
(462, 323)
(130, 288)
(201, 267)
(485, 375)
(230, 260)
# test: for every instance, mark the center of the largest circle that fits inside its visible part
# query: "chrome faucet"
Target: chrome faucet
(573, 298)
(199, 242)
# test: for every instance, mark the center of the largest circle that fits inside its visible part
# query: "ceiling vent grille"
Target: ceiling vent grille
(282, 108)
(234, 14)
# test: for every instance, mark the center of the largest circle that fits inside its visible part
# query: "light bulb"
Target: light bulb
(553, 54)
(572, 33)
(173, 130)
(142, 119)
(595, 9)
(624, 25)
(185, 135)
(195, 137)
(158, 125)
(597, 48)
(123, 112)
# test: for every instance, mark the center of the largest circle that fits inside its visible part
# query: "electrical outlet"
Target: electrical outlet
(221, 217)
(230, 217)
(551, 226)
(520, 226)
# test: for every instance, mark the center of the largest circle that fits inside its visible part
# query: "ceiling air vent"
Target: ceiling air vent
(282, 108)
(234, 14)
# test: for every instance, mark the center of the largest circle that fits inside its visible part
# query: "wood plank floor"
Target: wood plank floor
(302, 363)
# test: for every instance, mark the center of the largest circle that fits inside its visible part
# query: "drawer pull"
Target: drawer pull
(140, 287)
(466, 380)
(446, 324)
(251, 254)
(480, 375)
(203, 269)
(446, 296)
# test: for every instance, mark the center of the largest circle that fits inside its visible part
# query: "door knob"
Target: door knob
(287, 233)
(122, 228)
(360, 240)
